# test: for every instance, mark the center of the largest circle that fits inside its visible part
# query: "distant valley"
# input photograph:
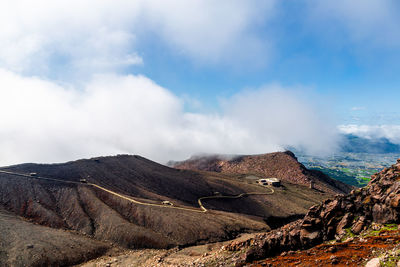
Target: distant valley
(357, 159)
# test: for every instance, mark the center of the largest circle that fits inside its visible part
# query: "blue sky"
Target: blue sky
(168, 79)
(351, 73)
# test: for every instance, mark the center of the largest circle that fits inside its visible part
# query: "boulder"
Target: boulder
(375, 262)
(330, 209)
(395, 201)
(309, 238)
(358, 226)
(383, 214)
(344, 223)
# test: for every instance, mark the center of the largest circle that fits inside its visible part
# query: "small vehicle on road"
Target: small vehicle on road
(33, 174)
(166, 202)
(83, 181)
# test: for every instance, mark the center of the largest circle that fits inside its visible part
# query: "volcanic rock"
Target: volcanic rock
(358, 226)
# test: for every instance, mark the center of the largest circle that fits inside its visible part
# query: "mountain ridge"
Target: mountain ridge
(356, 144)
(282, 165)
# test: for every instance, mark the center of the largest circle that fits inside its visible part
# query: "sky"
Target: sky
(169, 79)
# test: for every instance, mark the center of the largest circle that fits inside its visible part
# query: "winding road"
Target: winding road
(201, 209)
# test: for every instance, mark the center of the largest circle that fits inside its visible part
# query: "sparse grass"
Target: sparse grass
(390, 227)
(386, 227)
(348, 234)
(391, 261)
(390, 258)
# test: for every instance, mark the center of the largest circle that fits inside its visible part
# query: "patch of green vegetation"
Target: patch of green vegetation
(364, 181)
(385, 227)
(374, 233)
(352, 176)
(390, 227)
(338, 175)
(348, 234)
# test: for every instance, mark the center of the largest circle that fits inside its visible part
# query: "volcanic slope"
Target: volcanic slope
(25, 244)
(101, 216)
(282, 165)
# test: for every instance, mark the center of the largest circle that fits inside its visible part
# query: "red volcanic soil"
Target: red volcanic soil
(351, 253)
(282, 165)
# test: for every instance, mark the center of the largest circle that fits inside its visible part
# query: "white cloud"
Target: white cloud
(77, 35)
(45, 122)
(41, 35)
(277, 117)
(212, 30)
(391, 132)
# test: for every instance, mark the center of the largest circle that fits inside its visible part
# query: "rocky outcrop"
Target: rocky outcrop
(378, 202)
(282, 165)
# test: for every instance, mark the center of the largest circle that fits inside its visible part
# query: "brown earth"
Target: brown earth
(26, 244)
(282, 165)
(99, 216)
(355, 252)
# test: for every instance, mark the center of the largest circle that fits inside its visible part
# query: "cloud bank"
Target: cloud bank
(391, 132)
(43, 121)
